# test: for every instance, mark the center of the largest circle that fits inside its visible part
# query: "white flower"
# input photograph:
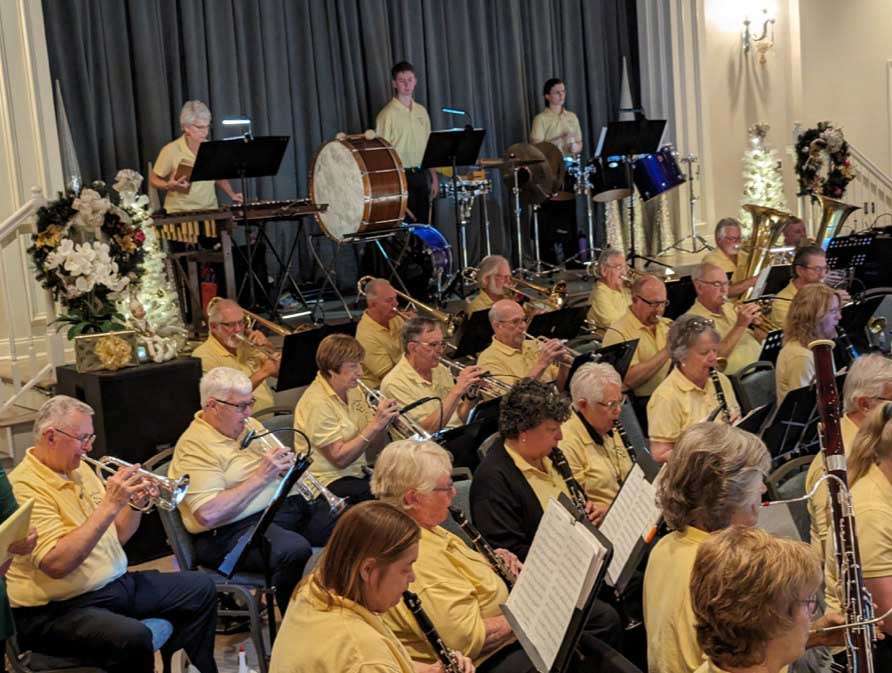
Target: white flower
(84, 284)
(127, 181)
(58, 256)
(91, 209)
(81, 261)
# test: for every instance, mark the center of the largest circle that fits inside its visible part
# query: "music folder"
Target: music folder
(298, 366)
(551, 602)
(475, 334)
(772, 346)
(619, 356)
(564, 323)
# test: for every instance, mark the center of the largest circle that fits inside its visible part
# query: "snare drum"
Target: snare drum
(657, 173)
(467, 187)
(362, 180)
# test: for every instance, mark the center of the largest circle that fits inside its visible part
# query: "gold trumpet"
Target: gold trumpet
(542, 340)
(450, 321)
(170, 491)
(402, 423)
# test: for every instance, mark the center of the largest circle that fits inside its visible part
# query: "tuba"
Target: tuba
(833, 214)
(768, 223)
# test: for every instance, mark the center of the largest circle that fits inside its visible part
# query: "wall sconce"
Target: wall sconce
(763, 42)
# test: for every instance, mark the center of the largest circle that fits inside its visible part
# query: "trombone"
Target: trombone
(170, 491)
(451, 322)
(554, 297)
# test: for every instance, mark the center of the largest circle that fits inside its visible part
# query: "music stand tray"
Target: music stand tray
(772, 346)
(565, 323)
(474, 335)
(298, 366)
(453, 147)
(778, 279)
(230, 159)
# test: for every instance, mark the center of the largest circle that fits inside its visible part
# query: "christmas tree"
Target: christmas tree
(763, 179)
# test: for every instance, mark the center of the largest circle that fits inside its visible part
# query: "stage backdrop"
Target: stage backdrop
(312, 68)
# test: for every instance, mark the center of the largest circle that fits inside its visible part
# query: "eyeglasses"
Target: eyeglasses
(615, 405)
(444, 489)
(241, 406)
(732, 239)
(83, 440)
(436, 345)
(514, 322)
(230, 324)
(813, 604)
(815, 268)
(717, 284)
(651, 303)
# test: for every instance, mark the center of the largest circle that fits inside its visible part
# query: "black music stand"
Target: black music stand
(619, 356)
(772, 346)
(791, 431)
(629, 139)
(681, 295)
(239, 159)
(564, 323)
(454, 148)
(298, 366)
(474, 335)
(778, 279)
(462, 442)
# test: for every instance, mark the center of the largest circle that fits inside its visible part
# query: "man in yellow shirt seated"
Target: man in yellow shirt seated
(224, 347)
(727, 256)
(72, 596)
(493, 279)
(809, 266)
(610, 298)
(738, 345)
(595, 453)
(511, 356)
(230, 486)
(379, 332)
(420, 374)
(644, 321)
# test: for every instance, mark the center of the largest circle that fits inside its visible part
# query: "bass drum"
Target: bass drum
(608, 180)
(654, 174)
(427, 262)
(362, 180)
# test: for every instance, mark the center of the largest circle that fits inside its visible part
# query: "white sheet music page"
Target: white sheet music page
(632, 515)
(554, 580)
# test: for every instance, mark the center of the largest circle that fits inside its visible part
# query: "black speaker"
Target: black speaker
(137, 412)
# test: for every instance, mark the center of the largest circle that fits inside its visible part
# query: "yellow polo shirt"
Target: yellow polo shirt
(343, 638)
(599, 468)
(794, 369)
(678, 404)
(382, 347)
(546, 484)
(777, 319)
(668, 617)
(326, 419)
(201, 195)
(872, 500)
(747, 349)
(62, 503)
(510, 365)
(405, 385)
(606, 305)
(214, 354)
(818, 504)
(458, 590)
(480, 302)
(549, 125)
(650, 343)
(718, 258)
(215, 463)
(709, 667)
(407, 129)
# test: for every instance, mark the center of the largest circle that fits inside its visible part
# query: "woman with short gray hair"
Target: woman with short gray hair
(688, 395)
(610, 297)
(172, 169)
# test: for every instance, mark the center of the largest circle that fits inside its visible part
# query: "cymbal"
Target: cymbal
(535, 177)
(499, 163)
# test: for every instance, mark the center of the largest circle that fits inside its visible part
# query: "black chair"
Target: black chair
(246, 588)
(754, 386)
(487, 444)
(461, 478)
(788, 482)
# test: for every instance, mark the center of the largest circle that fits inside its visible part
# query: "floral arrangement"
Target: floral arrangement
(88, 250)
(823, 165)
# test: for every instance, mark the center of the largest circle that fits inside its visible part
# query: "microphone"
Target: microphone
(249, 437)
(417, 403)
(458, 112)
(253, 434)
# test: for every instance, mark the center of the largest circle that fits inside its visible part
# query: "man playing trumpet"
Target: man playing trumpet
(224, 347)
(379, 331)
(511, 357)
(72, 596)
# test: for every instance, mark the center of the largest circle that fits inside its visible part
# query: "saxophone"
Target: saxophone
(481, 545)
(444, 654)
(720, 395)
(577, 495)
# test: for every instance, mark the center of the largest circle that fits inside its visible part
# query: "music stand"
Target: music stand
(681, 295)
(454, 148)
(474, 334)
(298, 366)
(462, 442)
(778, 279)
(564, 323)
(629, 139)
(772, 346)
(240, 159)
(788, 429)
(619, 356)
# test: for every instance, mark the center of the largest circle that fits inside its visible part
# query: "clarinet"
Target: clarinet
(497, 562)
(720, 395)
(577, 495)
(624, 438)
(857, 601)
(444, 654)
(843, 339)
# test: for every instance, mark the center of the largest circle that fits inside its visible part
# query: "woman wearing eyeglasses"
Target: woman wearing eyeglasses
(814, 314)
(688, 395)
(753, 597)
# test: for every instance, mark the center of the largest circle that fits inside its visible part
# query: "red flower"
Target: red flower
(139, 237)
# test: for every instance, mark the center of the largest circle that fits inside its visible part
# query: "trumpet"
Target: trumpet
(451, 322)
(572, 353)
(403, 424)
(489, 387)
(170, 491)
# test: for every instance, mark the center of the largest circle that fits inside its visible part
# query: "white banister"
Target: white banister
(871, 190)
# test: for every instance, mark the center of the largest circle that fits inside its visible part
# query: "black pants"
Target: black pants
(102, 628)
(557, 231)
(418, 183)
(355, 489)
(296, 529)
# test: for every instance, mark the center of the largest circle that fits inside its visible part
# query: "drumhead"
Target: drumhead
(336, 179)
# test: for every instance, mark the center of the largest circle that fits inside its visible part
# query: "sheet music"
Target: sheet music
(761, 281)
(557, 578)
(632, 515)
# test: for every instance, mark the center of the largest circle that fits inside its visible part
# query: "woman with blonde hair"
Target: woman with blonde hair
(753, 597)
(814, 314)
(333, 623)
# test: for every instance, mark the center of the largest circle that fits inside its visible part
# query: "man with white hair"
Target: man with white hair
(595, 453)
(379, 332)
(72, 596)
(738, 345)
(511, 356)
(610, 298)
(224, 348)
(868, 384)
(493, 278)
(728, 238)
(230, 486)
(173, 167)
